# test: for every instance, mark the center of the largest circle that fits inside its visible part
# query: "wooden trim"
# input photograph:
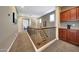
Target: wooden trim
(42, 28)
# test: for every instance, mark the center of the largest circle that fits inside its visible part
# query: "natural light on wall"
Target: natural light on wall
(52, 17)
(40, 21)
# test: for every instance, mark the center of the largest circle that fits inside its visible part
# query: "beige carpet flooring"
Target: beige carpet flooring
(61, 46)
(22, 44)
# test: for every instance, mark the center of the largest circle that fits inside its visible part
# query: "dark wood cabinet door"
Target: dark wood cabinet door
(77, 37)
(65, 16)
(62, 16)
(77, 13)
(62, 34)
(71, 36)
(73, 14)
(70, 15)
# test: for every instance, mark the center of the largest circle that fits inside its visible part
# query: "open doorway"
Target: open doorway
(25, 24)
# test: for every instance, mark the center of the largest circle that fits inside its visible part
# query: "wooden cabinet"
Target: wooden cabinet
(77, 13)
(69, 35)
(70, 15)
(62, 34)
(73, 14)
(62, 16)
(65, 16)
(77, 37)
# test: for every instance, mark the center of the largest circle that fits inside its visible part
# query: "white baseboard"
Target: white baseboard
(46, 45)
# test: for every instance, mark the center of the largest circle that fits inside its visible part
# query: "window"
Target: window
(40, 21)
(52, 17)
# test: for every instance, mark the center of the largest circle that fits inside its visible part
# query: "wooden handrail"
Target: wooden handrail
(42, 28)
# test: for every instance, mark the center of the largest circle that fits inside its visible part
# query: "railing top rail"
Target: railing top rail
(42, 28)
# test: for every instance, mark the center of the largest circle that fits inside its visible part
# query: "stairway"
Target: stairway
(43, 34)
(44, 37)
(39, 36)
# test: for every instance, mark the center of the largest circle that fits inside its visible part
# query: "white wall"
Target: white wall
(57, 21)
(7, 27)
(20, 24)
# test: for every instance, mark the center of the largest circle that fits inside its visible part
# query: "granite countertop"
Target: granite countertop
(71, 28)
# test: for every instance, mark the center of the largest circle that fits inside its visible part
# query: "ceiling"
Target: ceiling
(34, 11)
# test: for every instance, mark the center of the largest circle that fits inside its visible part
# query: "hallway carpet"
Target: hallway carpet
(22, 44)
(61, 46)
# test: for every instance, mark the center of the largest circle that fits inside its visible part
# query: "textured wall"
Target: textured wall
(47, 19)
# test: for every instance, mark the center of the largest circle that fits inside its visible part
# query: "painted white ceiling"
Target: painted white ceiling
(34, 11)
